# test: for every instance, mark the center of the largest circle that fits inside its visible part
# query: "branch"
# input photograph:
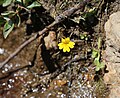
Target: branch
(64, 67)
(58, 19)
(25, 44)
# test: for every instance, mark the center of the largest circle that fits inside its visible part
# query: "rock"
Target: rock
(50, 40)
(112, 54)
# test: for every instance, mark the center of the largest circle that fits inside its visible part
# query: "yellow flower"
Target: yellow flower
(66, 44)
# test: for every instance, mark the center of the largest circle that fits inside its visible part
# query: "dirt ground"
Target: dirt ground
(36, 71)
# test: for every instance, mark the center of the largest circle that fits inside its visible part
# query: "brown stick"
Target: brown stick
(58, 19)
(63, 68)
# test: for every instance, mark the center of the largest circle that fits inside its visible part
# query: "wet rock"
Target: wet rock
(112, 54)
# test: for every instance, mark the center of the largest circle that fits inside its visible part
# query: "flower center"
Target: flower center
(66, 42)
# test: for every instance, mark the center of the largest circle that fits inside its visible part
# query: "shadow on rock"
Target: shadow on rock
(47, 58)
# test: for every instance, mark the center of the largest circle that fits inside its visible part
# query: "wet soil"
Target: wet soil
(28, 75)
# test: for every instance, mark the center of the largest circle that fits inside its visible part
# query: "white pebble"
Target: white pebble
(2, 51)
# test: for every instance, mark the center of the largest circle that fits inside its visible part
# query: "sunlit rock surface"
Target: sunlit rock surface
(112, 54)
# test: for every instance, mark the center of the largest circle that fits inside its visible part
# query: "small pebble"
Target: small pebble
(2, 51)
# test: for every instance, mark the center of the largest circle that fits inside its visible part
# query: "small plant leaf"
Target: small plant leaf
(8, 27)
(82, 36)
(34, 4)
(7, 13)
(1, 2)
(94, 53)
(97, 68)
(18, 20)
(102, 65)
(6, 18)
(6, 3)
(19, 0)
(99, 65)
(96, 62)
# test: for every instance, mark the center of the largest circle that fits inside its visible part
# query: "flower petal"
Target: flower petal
(61, 45)
(71, 44)
(63, 40)
(66, 48)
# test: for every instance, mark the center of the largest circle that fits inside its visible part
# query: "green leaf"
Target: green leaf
(102, 65)
(1, 2)
(94, 53)
(6, 18)
(8, 27)
(96, 62)
(99, 65)
(34, 4)
(18, 20)
(82, 36)
(6, 3)
(19, 0)
(7, 13)
(97, 68)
